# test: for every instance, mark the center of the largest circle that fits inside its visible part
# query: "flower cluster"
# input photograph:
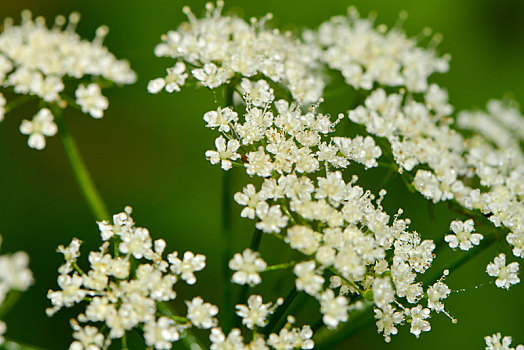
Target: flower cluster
(479, 174)
(14, 276)
(217, 49)
(367, 56)
(126, 287)
(340, 227)
(36, 60)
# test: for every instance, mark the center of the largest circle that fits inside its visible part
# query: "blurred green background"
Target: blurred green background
(148, 152)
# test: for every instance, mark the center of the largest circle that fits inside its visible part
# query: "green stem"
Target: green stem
(280, 266)
(279, 312)
(255, 240)
(83, 178)
(227, 237)
(9, 302)
(124, 342)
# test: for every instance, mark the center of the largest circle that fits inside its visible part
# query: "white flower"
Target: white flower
(187, 267)
(154, 86)
(463, 237)
(70, 294)
(259, 93)
(292, 338)
(247, 266)
(418, 320)
(233, 341)
(91, 100)
(201, 314)
(493, 342)
(271, 218)
(333, 309)
(161, 333)
(41, 125)
(428, 185)
(250, 199)
(211, 75)
(506, 275)
(307, 279)
(436, 293)
(136, 242)
(303, 239)
(387, 318)
(224, 153)
(87, 337)
(254, 313)
(383, 293)
(222, 118)
(259, 163)
(176, 77)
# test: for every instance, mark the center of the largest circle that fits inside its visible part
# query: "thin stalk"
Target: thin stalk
(124, 342)
(227, 237)
(280, 266)
(255, 240)
(83, 178)
(279, 312)
(9, 302)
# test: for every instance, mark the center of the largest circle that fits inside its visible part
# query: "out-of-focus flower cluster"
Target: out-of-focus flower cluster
(15, 276)
(53, 64)
(217, 50)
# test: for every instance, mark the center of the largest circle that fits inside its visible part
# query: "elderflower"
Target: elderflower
(418, 320)
(247, 267)
(254, 313)
(307, 279)
(42, 125)
(43, 62)
(187, 267)
(463, 237)
(90, 99)
(225, 153)
(506, 275)
(333, 309)
(201, 314)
